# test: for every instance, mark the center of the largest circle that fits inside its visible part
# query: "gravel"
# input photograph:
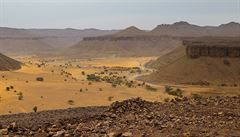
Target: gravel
(213, 116)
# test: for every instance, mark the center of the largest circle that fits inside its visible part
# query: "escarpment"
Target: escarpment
(214, 47)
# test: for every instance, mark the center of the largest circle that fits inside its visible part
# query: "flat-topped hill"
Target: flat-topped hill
(197, 65)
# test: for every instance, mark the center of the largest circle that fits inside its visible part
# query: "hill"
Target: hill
(135, 42)
(179, 68)
(184, 29)
(37, 41)
(130, 31)
(122, 46)
(8, 63)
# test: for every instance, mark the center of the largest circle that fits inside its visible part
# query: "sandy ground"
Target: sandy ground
(58, 88)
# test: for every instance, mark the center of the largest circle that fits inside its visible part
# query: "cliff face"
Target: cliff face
(197, 51)
(212, 47)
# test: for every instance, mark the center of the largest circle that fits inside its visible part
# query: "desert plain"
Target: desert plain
(64, 84)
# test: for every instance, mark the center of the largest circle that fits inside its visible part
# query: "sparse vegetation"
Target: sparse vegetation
(70, 102)
(150, 88)
(93, 77)
(35, 108)
(7, 88)
(110, 98)
(20, 96)
(83, 73)
(41, 79)
(169, 90)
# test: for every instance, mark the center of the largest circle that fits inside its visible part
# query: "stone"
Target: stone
(59, 134)
(127, 134)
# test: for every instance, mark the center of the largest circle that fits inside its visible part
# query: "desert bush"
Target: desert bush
(93, 77)
(70, 102)
(83, 73)
(110, 98)
(35, 109)
(40, 79)
(100, 89)
(150, 88)
(170, 91)
(20, 96)
(7, 88)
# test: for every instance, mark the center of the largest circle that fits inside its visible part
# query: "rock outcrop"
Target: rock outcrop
(214, 47)
(198, 116)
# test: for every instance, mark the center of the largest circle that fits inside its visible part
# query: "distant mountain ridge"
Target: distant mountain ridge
(133, 41)
(184, 29)
(35, 41)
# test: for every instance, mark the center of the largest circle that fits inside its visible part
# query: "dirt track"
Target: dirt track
(218, 116)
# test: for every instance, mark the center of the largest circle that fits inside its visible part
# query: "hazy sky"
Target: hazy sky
(115, 14)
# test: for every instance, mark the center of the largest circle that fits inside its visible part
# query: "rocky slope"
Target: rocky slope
(213, 116)
(7, 63)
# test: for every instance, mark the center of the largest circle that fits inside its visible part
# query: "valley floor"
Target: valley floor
(63, 84)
